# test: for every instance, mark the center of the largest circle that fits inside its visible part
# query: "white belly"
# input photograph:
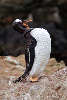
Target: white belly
(42, 53)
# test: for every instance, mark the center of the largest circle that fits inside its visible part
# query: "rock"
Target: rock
(11, 42)
(12, 60)
(58, 41)
(53, 87)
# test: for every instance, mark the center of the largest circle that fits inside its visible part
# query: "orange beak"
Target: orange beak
(25, 23)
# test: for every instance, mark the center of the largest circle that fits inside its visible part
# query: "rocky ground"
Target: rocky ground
(51, 86)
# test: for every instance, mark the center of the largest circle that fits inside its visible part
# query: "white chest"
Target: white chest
(42, 50)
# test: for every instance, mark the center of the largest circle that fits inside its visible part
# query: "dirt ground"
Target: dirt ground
(11, 69)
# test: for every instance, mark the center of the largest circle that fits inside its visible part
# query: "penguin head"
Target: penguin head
(21, 26)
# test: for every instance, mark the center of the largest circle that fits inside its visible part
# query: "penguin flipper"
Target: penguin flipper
(29, 58)
(23, 77)
(28, 65)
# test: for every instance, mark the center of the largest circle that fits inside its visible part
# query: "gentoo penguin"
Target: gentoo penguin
(37, 51)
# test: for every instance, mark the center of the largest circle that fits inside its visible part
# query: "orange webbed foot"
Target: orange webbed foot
(34, 79)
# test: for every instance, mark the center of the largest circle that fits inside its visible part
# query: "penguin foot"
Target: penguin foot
(19, 79)
(34, 79)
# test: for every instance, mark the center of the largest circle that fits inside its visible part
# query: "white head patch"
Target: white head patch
(18, 20)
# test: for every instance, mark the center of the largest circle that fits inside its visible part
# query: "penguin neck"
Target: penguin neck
(27, 33)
